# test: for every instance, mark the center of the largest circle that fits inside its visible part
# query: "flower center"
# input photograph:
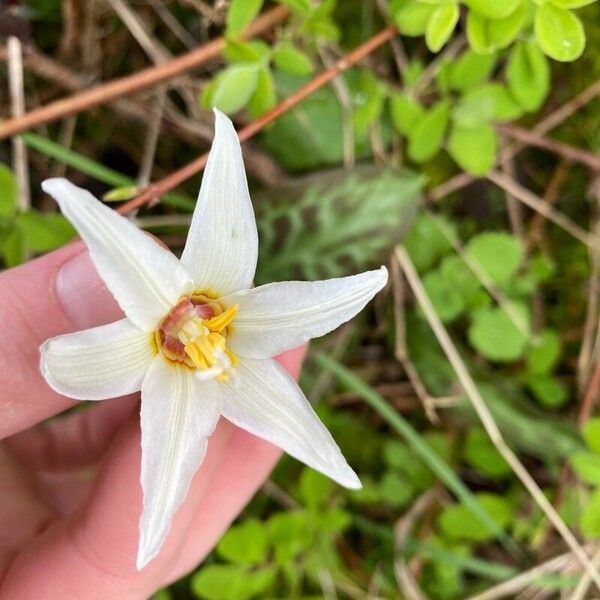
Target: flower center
(194, 333)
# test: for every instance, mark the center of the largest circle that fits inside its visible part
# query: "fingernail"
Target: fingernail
(82, 294)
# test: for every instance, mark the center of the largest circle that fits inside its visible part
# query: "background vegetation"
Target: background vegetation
(464, 155)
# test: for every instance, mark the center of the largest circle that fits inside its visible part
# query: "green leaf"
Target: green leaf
(591, 434)
(528, 75)
(480, 453)
(9, 193)
(447, 301)
(315, 488)
(14, 251)
(412, 18)
(559, 33)
(367, 102)
(474, 109)
(290, 534)
(543, 353)
(220, 582)
(494, 9)
(505, 106)
(428, 240)
(499, 254)
(487, 35)
(121, 193)
(244, 52)
(469, 70)
(474, 148)
(43, 232)
(457, 523)
(264, 98)
(228, 582)
(440, 26)
(494, 334)
(587, 466)
(406, 113)
(461, 278)
(547, 390)
(240, 14)
(245, 543)
(426, 138)
(291, 59)
(590, 518)
(232, 88)
(334, 520)
(300, 7)
(571, 3)
(394, 490)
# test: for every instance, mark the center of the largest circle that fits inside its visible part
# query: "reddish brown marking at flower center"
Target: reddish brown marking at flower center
(166, 336)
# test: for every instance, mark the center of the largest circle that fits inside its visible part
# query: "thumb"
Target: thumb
(58, 293)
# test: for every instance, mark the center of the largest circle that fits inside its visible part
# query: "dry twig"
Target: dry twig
(17, 105)
(135, 83)
(155, 190)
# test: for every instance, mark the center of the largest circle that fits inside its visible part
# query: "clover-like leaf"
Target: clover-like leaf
(559, 33)
(440, 26)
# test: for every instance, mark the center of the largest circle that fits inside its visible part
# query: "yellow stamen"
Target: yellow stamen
(221, 321)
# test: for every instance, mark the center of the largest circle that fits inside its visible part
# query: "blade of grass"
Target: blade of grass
(93, 169)
(419, 446)
(470, 564)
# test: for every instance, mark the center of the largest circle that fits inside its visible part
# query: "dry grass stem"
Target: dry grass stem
(530, 199)
(17, 108)
(485, 415)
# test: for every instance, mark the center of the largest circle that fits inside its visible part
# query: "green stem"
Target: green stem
(93, 169)
(420, 447)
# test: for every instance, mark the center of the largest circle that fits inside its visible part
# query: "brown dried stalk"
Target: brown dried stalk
(154, 191)
(135, 83)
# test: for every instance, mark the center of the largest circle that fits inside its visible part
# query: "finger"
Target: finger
(74, 441)
(57, 293)
(100, 543)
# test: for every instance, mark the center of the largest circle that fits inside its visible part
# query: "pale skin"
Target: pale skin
(70, 496)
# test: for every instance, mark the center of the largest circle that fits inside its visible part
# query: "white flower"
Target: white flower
(197, 339)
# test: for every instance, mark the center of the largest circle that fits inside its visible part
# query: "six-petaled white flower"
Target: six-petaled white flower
(197, 339)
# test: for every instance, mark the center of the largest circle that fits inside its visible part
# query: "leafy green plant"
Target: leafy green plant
(23, 233)
(586, 464)
(288, 547)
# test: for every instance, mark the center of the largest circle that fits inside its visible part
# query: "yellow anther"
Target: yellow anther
(221, 321)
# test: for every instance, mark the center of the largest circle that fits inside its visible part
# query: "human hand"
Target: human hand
(70, 496)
